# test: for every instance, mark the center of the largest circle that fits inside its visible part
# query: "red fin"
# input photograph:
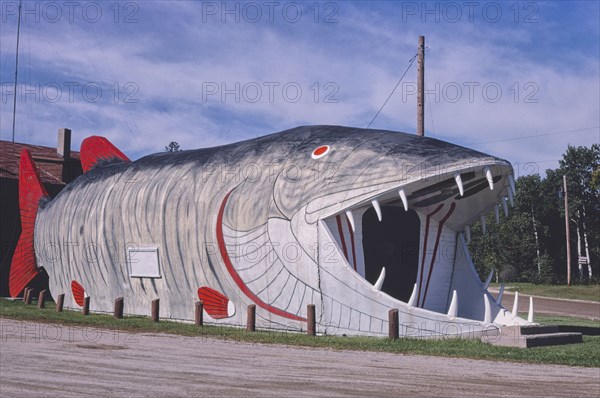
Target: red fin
(23, 267)
(215, 304)
(78, 292)
(96, 149)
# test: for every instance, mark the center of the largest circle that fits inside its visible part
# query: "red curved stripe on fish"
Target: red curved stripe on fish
(341, 231)
(352, 241)
(236, 277)
(435, 248)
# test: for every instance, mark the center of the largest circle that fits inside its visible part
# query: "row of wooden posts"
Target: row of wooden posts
(311, 330)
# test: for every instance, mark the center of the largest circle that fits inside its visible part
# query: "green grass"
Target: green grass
(574, 292)
(586, 354)
(562, 320)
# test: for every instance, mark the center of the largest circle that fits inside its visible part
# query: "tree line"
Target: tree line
(530, 244)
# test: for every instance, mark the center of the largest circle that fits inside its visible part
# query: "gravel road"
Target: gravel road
(42, 360)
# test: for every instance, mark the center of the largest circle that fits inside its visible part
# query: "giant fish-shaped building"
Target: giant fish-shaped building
(354, 221)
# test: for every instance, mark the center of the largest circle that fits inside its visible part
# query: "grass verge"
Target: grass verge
(574, 292)
(562, 320)
(586, 354)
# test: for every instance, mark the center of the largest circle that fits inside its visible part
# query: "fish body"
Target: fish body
(354, 221)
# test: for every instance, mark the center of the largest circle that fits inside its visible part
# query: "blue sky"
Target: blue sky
(519, 80)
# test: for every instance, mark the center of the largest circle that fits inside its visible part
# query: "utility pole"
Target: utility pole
(421, 87)
(568, 232)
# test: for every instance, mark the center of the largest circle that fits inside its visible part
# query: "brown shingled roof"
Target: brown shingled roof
(47, 159)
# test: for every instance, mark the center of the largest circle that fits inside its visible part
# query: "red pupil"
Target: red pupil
(320, 150)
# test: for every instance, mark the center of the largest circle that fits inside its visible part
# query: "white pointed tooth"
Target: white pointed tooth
(500, 294)
(483, 224)
(458, 179)
(530, 313)
(487, 317)
(511, 181)
(453, 309)
(350, 217)
(489, 177)
(404, 199)
(413, 297)
(497, 213)
(516, 305)
(468, 234)
(375, 204)
(505, 206)
(511, 196)
(380, 280)
(488, 280)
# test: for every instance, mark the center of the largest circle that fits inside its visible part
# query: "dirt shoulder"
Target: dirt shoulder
(46, 360)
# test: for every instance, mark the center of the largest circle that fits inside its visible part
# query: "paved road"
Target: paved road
(40, 360)
(549, 306)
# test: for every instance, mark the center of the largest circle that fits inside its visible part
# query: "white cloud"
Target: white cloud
(170, 56)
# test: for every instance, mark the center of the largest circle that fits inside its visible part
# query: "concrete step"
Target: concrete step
(542, 329)
(539, 329)
(512, 336)
(542, 340)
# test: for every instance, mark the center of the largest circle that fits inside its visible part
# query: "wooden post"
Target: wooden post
(42, 299)
(394, 327)
(60, 302)
(86, 305)
(421, 87)
(251, 318)
(119, 304)
(568, 232)
(28, 296)
(199, 314)
(155, 309)
(311, 329)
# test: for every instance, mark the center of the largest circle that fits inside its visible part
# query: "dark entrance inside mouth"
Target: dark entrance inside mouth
(392, 243)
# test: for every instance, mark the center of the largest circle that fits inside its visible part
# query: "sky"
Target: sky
(517, 80)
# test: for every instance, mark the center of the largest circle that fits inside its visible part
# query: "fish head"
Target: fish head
(342, 169)
(373, 213)
(396, 201)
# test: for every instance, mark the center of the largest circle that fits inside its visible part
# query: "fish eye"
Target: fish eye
(320, 152)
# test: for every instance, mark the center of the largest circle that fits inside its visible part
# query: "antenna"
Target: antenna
(421, 87)
(16, 72)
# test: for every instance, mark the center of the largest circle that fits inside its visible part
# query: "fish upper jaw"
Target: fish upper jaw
(482, 186)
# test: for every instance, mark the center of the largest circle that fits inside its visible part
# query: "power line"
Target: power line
(538, 135)
(392, 93)
(545, 161)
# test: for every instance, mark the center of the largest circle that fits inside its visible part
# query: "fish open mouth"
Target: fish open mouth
(399, 238)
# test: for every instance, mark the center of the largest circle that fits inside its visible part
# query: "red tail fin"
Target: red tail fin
(95, 149)
(23, 267)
